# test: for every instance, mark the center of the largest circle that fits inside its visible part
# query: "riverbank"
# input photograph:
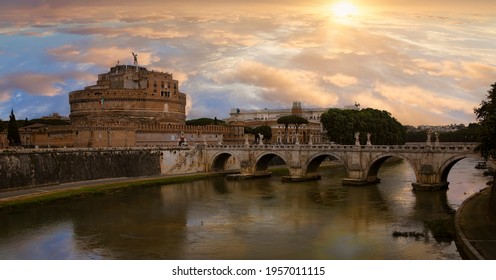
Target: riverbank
(476, 234)
(11, 200)
(24, 197)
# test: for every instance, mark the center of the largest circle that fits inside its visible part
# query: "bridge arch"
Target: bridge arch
(376, 163)
(449, 163)
(262, 162)
(220, 160)
(316, 160)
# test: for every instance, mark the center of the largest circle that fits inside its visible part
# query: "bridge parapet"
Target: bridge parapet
(374, 148)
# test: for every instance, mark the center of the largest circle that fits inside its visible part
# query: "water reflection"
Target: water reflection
(253, 219)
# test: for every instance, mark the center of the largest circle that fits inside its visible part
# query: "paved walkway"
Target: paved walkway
(477, 235)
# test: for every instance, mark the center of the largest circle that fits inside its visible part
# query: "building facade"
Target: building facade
(312, 132)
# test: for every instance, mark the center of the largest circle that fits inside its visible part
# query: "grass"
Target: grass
(81, 192)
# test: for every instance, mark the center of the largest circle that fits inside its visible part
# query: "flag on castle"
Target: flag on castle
(101, 102)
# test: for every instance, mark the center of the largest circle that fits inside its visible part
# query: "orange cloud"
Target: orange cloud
(32, 83)
(100, 56)
(279, 85)
(417, 97)
(341, 80)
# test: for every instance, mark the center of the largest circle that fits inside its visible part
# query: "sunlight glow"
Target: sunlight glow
(344, 9)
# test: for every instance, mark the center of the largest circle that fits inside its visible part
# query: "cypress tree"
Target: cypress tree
(13, 131)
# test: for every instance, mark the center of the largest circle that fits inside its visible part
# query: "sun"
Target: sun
(344, 9)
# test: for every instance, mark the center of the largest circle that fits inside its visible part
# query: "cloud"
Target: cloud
(279, 85)
(414, 105)
(469, 75)
(137, 31)
(101, 56)
(229, 53)
(39, 84)
(31, 83)
(5, 93)
(341, 80)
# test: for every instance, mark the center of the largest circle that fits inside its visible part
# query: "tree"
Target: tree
(341, 126)
(486, 116)
(13, 131)
(204, 121)
(265, 130)
(297, 121)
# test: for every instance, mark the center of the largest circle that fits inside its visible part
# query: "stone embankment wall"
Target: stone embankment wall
(21, 169)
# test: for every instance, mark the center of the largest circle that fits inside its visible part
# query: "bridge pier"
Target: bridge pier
(244, 176)
(429, 180)
(357, 176)
(430, 186)
(359, 182)
(298, 178)
(247, 172)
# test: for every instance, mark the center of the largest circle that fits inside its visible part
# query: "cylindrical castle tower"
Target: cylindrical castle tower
(129, 95)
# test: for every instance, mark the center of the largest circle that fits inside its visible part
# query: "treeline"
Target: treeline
(26, 122)
(205, 121)
(468, 134)
(341, 126)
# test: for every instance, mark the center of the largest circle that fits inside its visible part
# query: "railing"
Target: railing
(316, 147)
(99, 149)
(440, 147)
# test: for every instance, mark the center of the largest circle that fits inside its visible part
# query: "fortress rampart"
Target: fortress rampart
(30, 168)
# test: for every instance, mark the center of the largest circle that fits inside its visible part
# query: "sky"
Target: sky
(427, 62)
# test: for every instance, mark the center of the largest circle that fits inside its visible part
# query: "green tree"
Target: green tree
(265, 130)
(13, 131)
(341, 126)
(486, 116)
(205, 121)
(467, 134)
(288, 120)
(416, 136)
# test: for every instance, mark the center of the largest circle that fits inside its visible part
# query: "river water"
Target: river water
(252, 219)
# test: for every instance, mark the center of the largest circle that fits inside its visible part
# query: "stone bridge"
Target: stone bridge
(431, 163)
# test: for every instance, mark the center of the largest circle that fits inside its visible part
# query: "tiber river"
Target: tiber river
(252, 219)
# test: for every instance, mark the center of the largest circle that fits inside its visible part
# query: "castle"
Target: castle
(128, 106)
(129, 95)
